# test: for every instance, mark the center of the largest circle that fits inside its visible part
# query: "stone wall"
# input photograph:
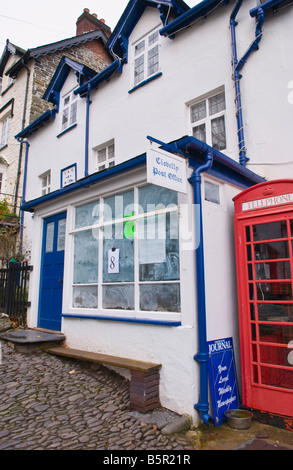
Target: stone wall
(92, 54)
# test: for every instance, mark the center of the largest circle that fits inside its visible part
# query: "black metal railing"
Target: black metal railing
(14, 290)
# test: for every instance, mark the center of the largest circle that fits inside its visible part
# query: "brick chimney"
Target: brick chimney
(89, 22)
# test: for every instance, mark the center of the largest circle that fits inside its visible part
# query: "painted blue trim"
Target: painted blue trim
(74, 165)
(236, 78)
(47, 116)
(195, 149)
(202, 356)
(106, 74)
(185, 20)
(126, 320)
(52, 93)
(47, 220)
(132, 15)
(87, 130)
(145, 82)
(66, 130)
(265, 6)
(86, 182)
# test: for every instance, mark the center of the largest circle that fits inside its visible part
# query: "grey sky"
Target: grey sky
(33, 23)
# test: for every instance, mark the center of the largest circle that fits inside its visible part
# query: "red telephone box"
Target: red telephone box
(264, 259)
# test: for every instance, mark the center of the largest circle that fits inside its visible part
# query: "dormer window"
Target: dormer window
(146, 57)
(69, 116)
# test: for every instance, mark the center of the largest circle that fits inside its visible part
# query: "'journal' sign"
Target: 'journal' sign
(223, 378)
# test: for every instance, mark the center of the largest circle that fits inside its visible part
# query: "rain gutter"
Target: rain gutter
(202, 357)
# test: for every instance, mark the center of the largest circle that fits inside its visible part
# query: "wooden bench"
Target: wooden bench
(145, 376)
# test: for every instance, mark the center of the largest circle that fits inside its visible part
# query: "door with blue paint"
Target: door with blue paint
(52, 268)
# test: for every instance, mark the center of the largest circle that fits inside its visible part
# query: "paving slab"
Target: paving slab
(260, 444)
(29, 340)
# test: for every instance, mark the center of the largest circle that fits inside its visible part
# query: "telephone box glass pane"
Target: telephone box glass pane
(271, 250)
(273, 270)
(270, 231)
(274, 291)
(277, 378)
(247, 230)
(273, 355)
(278, 334)
(275, 312)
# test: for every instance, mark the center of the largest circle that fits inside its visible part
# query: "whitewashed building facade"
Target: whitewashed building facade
(140, 279)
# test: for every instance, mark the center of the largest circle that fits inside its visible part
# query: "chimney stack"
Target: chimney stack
(89, 22)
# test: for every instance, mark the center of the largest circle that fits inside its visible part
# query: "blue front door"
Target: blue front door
(51, 281)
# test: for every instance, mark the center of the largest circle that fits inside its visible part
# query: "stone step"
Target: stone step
(32, 340)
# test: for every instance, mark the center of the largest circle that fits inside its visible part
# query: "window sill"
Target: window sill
(123, 319)
(3, 147)
(66, 130)
(145, 82)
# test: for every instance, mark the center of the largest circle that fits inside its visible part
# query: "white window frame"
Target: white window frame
(146, 57)
(97, 229)
(45, 182)
(69, 111)
(104, 156)
(5, 126)
(3, 172)
(201, 117)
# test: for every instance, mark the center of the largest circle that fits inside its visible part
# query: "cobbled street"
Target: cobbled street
(51, 403)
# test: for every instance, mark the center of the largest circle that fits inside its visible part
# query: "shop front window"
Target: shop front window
(126, 252)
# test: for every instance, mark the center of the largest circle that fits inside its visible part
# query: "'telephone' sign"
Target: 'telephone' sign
(165, 169)
(267, 202)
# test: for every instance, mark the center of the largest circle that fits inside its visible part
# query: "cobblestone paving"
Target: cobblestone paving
(48, 402)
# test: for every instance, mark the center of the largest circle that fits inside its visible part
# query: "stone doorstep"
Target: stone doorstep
(31, 340)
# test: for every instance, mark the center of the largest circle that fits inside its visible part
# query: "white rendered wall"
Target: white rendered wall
(194, 63)
(265, 89)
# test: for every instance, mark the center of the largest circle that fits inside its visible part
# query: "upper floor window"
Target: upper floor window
(207, 118)
(5, 131)
(105, 156)
(45, 179)
(69, 115)
(146, 57)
